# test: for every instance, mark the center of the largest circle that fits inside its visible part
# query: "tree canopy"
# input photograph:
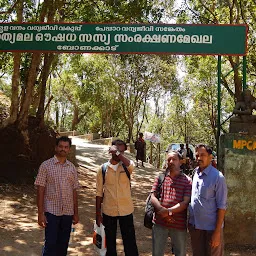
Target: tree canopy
(121, 95)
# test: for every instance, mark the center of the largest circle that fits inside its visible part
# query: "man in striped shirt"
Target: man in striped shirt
(171, 208)
(57, 199)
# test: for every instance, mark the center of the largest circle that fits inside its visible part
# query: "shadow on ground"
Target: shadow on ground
(21, 236)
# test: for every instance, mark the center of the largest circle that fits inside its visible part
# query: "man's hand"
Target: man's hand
(42, 220)
(75, 219)
(98, 220)
(169, 220)
(163, 213)
(215, 241)
(112, 149)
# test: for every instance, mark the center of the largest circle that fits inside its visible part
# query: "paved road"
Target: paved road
(92, 155)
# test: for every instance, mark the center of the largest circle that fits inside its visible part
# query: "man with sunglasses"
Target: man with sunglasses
(114, 201)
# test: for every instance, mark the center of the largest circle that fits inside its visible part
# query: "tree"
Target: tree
(37, 67)
(139, 78)
(225, 12)
(31, 71)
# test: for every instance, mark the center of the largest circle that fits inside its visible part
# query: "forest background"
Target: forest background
(115, 95)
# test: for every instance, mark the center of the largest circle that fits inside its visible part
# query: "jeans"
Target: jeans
(57, 233)
(160, 235)
(127, 231)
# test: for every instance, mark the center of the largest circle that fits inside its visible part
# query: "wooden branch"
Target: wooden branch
(81, 117)
(215, 18)
(198, 15)
(225, 84)
(237, 11)
(11, 8)
(48, 103)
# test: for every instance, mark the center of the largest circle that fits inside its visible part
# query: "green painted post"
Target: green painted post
(244, 73)
(219, 105)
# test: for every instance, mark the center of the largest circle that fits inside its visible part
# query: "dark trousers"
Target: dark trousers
(57, 233)
(200, 242)
(127, 231)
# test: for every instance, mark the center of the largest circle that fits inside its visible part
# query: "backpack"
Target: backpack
(104, 170)
(149, 209)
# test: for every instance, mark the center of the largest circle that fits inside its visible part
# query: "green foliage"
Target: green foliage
(111, 90)
(120, 95)
(111, 11)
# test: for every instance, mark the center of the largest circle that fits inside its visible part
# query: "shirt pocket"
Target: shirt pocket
(70, 178)
(204, 192)
(110, 177)
(123, 177)
(51, 178)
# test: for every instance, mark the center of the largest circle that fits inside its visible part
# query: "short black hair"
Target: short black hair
(63, 138)
(207, 148)
(141, 134)
(119, 142)
(175, 152)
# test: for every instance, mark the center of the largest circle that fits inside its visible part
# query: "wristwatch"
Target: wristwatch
(118, 153)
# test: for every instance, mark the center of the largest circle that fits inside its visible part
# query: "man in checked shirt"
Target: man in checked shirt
(57, 203)
(171, 208)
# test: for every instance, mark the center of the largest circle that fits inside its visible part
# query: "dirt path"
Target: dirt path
(21, 236)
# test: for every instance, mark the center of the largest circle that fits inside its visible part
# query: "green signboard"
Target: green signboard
(124, 38)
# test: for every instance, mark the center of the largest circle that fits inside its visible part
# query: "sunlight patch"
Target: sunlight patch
(86, 242)
(9, 249)
(20, 241)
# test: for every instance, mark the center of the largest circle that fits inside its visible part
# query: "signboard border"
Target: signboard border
(119, 23)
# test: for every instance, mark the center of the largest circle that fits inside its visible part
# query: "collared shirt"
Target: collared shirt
(172, 192)
(59, 181)
(209, 193)
(117, 200)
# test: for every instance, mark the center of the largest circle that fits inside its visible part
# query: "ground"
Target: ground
(21, 236)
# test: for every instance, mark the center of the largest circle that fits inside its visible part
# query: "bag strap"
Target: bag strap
(105, 167)
(126, 171)
(161, 179)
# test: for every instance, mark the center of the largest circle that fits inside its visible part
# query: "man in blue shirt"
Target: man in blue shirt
(208, 206)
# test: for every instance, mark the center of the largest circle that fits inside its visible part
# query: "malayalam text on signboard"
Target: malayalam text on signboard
(124, 38)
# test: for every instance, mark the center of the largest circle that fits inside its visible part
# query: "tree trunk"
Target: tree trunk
(75, 118)
(237, 78)
(49, 11)
(57, 113)
(14, 109)
(25, 105)
(15, 88)
(48, 58)
(130, 128)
